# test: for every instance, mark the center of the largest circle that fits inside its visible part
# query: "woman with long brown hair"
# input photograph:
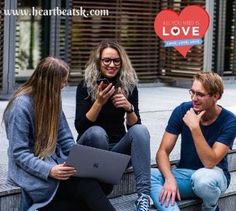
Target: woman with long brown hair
(39, 142)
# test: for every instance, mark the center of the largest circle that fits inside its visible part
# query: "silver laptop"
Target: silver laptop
(103, 165)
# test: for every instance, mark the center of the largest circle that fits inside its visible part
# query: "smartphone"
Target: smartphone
(105, 82)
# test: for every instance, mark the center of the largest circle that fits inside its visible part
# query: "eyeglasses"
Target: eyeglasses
(198, 94)
(107, 61)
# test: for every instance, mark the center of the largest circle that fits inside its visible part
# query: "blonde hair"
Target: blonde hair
(127, 77)
(211, 81)
(45, 88)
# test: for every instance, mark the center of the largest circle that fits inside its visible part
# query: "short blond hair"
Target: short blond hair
(211, 81)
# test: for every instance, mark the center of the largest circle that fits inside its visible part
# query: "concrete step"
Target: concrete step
(127, 184)
(9, 194)
(227, 200)
(9, 198)
(123, 194)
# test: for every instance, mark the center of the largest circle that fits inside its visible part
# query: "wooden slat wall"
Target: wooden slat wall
(65, 33)
(87, 32)
(230, 39)
(17, 51)
(172, 63)
(64, 50)
(215, 43)
(129, 22)
(138, 37)
(1, 44)
(234, 40)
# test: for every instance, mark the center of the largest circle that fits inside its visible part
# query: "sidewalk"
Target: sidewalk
(155, 103)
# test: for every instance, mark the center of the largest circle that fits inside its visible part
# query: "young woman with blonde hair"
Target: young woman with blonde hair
(106, 100)
(39, 142)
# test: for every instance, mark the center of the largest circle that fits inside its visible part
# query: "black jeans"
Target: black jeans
(77, 194)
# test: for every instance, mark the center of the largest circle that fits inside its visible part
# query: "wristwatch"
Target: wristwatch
(131, 110)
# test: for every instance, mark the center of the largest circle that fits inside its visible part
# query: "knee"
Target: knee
(140, 133)
(96, 132)
(97, 137)
(203, 184)
(200, 184)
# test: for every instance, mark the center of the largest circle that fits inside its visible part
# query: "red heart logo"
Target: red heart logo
(183, 30)
(175, 30)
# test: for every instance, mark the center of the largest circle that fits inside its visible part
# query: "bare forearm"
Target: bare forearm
(163, 162)
(131, 118)
(205, 152)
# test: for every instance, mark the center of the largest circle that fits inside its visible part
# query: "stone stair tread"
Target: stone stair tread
(123, 196)
(127, 184)
(126, 202)
(8, 189)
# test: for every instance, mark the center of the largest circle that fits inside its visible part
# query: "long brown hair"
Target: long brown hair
(45, 88)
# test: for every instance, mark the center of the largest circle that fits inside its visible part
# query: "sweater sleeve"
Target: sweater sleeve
(133, 99)
(83, 104)
(65, 137)
(21, 144)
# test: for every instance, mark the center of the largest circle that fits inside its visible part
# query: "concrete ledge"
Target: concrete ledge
(124, 191)
(127, 184)
(232, 160)
(7, 189)
(227, 200)
(9, 195)
(124, 196)
(10, 203)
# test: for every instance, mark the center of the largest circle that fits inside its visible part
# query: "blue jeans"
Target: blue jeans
(136, 142)
(204, 183)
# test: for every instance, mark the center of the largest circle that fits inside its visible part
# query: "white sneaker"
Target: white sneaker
(143, 203)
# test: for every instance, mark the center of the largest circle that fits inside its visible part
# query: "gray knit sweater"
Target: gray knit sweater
(24, 168)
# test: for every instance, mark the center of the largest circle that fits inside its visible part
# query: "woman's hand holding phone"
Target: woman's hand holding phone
(104, 92)
(104, 82)
(102, 95)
